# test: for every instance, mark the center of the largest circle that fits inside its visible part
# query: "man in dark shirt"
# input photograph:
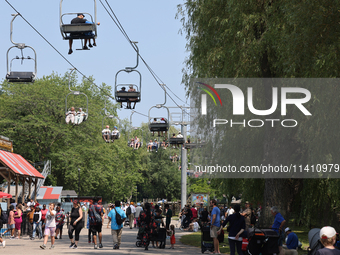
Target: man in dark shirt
(77, 20)
(96, 226)
(168, 216)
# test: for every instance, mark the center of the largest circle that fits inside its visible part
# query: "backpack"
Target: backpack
(119, 219)
(4, 217)
(128, 211)
(96, 215)
(252, 219)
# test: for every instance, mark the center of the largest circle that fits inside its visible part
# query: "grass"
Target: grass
(194, 239)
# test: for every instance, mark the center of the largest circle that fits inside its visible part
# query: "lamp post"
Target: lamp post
(78, 181)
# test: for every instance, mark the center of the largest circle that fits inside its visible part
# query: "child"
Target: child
(11, 222)
(50, 226)
(172, 237)
(328, 239)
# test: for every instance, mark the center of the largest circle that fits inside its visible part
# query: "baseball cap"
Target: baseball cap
(327, 232)
(80, 14)
(287, 229)
(115, 127)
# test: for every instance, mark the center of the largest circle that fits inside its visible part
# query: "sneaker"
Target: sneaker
(70, 51)
(95, 246)
(56, 238)
(43, 246)
(94, 44)
(4, 244)
(90, 45)
(52, 247)
(89, 241)
(72, 244)
(100, 246)
(85, 48)
(12, 238)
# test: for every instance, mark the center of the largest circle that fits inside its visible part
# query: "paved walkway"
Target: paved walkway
(25, 246)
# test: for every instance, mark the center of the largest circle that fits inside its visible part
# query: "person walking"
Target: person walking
(168, 212)
(278, 225)
(116, 228)
(37, 223)
(132, 214)
(49, 226)
(59, 219)
(75, 224)
(147, 225)
(138, 211)
(18, 220)
(96, 217)
(237, 226)
(11, 222)
(215, 225)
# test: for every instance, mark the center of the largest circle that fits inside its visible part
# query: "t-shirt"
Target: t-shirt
(216, 211)
(196, 226)
(50, 220)
(277, 222)
(112, 215)
(11, 218)
(247, 216)
(43, 214)
(106, 131)
(326, 251)
(292, 241)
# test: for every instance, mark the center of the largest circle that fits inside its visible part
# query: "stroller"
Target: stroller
(205, 237)
(314, 241)
(264, 241)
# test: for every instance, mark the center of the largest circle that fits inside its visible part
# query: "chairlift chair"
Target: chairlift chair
(109, 116)
(79, 30)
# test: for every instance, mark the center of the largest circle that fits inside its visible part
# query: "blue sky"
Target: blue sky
(150, 22)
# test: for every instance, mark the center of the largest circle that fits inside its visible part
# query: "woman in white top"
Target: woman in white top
(49, 226)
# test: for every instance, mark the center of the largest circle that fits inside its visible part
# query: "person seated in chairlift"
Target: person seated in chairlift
(80, 117)
(155, 121)
(77, 20)
(70, 116)
(131, 89)
(136, 142)
(123, 89)
(165, 132)
(179, 135)
(150, 146)
(115, 133)
(106, 133)
(164, 144)
(155, 145)
(132, 144)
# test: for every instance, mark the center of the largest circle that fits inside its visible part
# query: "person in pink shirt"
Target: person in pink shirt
(43, 217)
(18, 220)
(11, 222)
(194, 212)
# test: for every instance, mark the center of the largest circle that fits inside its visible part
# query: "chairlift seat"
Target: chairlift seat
(193, 145)
(20, 77)
(78, 30)
(124, 96)
(176, 140)
(158, 127)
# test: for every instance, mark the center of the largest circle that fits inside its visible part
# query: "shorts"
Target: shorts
(60, 226)
(49, 231)
(96, 228)
(12, 226)
(213, 232)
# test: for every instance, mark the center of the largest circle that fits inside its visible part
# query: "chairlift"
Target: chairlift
(82, 114)
(133, 94)
(155, 124)
(20, 76)
(78, 31)
(108, 134)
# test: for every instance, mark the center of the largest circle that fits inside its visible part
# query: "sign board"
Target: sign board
(6, 144)
(197, 199)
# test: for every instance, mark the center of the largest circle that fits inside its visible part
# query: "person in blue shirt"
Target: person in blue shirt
(116, 230)
(215, 225)
(292, 242)
(278, 224)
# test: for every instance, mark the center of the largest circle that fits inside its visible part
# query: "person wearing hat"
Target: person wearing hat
(292, 243)
(247, 215)
(106, 133)
(131, 89)
(328, 239)
(155, 145)
(115, 133)
(80, 20)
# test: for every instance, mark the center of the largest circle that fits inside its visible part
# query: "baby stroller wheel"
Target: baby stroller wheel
(139, 244)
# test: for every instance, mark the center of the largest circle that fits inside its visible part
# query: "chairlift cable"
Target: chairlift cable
(57, 50)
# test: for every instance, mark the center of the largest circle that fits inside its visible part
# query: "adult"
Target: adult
(116, 229)
(80, 116)
(131, 89)
(155, 145)
(96, 224)
(29, 216)
(328, 239)
(18, 220)
(37, 223)
(106, 133)
(147, 225)
(132, 214)
(215, 225)
(230, 211)
(70, 116)
(165, 132)
(30, 203)
(59, 219)
(76, 217)
(292, 243)
(247, 215)
(150, 144)
(278, 225)
(138, 211)
(194, 212)
(204, 216)
(168, 213)
(200, 210)
(80, 19)
(115, 133)
(2, 222)
(43, 217)
(123, 89)
(136, 142)
(236, 228)
(49, 226)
